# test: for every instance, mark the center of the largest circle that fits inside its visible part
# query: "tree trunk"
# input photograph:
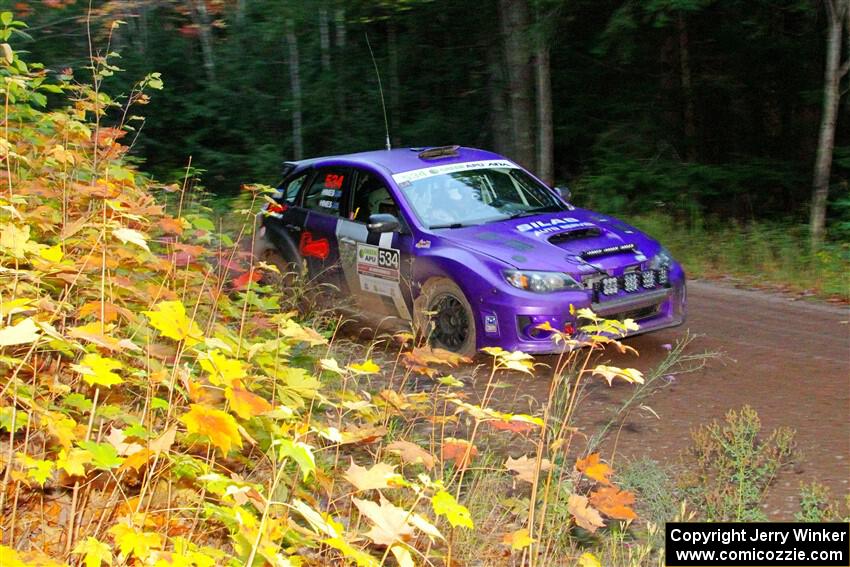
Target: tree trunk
(295, 84)
(200, 17)
(339, 24)
(545, 135)
(514, 15)
(324, 39)
(689, 114)
(499, 126)
(837, 11)
(395, 86)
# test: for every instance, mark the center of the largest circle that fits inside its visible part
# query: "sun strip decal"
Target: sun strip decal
(425, 172)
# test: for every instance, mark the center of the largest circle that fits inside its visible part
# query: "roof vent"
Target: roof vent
(439, 152)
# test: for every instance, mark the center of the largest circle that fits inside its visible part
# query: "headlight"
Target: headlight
(541, 282)
(661, 260)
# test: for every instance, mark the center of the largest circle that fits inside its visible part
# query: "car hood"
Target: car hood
(577, 242)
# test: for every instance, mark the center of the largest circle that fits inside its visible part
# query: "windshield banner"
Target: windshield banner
(425, 172)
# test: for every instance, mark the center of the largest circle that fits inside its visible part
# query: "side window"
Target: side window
(290, 194)
(325, 191)
(371, 197)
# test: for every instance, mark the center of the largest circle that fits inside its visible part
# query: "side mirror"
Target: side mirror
(382, 222)
(564, 193)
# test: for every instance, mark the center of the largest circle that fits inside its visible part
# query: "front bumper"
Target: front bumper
(516, 321)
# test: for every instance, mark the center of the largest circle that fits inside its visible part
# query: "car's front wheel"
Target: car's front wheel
(445, 317)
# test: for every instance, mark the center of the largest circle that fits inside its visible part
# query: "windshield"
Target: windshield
(477, 196)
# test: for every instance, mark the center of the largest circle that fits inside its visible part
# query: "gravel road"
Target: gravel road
(788, 359)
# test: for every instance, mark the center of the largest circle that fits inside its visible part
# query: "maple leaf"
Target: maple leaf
(52, 254)
(219, 427)
(37, 469)
(73, 462)
(518, 540)
(103, 455)
(221, 370)
(402, 556)
(117, 438)
(136, 460)
(460, 450)
(376, 477)
(171, 225)
(301, 453)
(133, 542)
(296, 333)
(16, 241)
(592, 468)
(526, 468)
(98, 370)
(95, 552)
(585, 516)
(366, 367)
(412, 453)
(169, 318)
(587, 559)
(126, 235)
(614, 502)
(630, 375)
(95, 333)
(425, 355)
(246, 404)
(23, 332)
(242, 281)
(444, 504)
(389, 522)
(164, 442)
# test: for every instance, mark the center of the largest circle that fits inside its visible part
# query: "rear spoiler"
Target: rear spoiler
(288, 166)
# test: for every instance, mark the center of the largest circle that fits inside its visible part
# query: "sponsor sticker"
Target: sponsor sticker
(425, 172)
(378, 269)
(423, 244)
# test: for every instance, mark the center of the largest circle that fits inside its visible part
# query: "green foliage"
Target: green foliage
(733, 465)
(761, 253)
(655, 485)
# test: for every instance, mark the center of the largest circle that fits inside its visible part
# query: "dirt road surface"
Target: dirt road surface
(788, 359)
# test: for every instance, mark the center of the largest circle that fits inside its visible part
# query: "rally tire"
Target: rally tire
(290, 268)
(444, 316)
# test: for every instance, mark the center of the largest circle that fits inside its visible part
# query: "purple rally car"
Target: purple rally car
(467, 245)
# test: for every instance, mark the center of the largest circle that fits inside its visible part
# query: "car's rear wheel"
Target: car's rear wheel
(445, 317)
(289, 268)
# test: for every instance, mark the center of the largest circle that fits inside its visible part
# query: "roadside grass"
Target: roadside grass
(759, 254)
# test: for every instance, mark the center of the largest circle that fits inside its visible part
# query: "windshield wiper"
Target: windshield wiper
(529, 212)
(452, 225)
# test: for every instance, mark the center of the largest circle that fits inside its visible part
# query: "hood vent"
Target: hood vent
(571, 235)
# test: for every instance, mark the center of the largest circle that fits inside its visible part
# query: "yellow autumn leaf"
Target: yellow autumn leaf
(585, 515)
(73, 462)
(98, 370)
(630, 375)
(587, 559)
(365, 367)
(218, 426)
(23, 332)
(444, 504)
(518, 540)
(593, 468)
(133, 542)
(52, 253)
(16, 241)
(221, 370)
(296, 333)
(402, 556)
(95, 552)
(376, 477)
(246, 404)
(169, 318)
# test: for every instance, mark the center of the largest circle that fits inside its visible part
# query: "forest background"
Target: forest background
(719, 126)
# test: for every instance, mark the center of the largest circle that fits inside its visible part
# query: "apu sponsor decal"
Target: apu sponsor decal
(423, 244)
(378, 269)
(314, 248)
(424, 173)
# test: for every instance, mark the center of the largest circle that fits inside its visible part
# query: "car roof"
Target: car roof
(400, 160)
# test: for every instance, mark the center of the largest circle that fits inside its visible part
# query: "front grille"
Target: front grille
(636, 314)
